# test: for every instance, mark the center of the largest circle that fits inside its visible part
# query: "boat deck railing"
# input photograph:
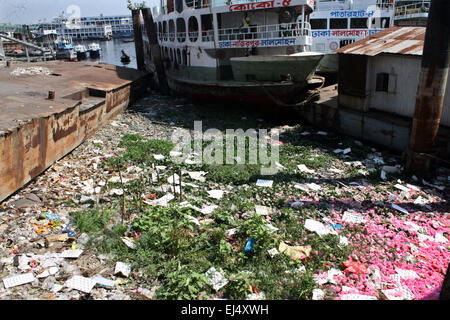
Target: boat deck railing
(283, 30)
(207, 36)
(266, 31)
(200, 4)
(193, 36)
(422, 7)
(181, 36)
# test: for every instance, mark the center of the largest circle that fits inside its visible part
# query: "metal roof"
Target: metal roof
(396, 40)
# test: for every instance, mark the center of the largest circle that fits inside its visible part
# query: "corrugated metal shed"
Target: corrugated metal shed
(396, 40)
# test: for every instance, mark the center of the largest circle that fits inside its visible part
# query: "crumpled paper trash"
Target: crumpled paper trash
(296, 253)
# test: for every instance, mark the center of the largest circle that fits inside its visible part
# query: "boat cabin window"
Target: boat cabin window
(171, 30)
(178, 56)
(169, 6)
(319, 24)
(179, 5)
(380, 23)
(346, 42)
(286, 15)
(165, 30)
(193, 29)
(359, 23)
(181, 30)
(184, 56)
(338, 23)
(160, 31)
(207, 27)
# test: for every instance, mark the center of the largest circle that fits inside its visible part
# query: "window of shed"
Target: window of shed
(382, 82)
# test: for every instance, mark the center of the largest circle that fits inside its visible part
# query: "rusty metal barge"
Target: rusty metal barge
(50, 108)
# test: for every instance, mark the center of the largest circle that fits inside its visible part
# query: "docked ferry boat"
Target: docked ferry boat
(94, 50)
(336, 24)
(65, 49)
(81, 52)
(89, 28)
(249, 51)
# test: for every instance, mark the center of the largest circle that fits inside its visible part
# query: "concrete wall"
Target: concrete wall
(404, 74)
(375, 126)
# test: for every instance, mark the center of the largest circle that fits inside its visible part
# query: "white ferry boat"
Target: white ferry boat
(249, 51)
(81, 52)
(94, 50)
(338, 23)
(86, 28)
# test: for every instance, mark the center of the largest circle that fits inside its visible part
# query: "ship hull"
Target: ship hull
(81, 56)
(259, 95)
(297, 67)
(66, 55)
(94, 54)
(329, 63)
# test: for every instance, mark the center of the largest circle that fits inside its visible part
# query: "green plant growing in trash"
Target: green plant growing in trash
(183, 283)
(165, 229)
(176, 251)
(93, 220)
(140, 150)
(233, 174)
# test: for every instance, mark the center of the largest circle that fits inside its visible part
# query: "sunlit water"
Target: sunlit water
(112, 51)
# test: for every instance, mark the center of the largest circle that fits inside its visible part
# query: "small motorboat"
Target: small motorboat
(81, 51)
(66, 54)
(125, 59)
(94, 50)
(18, 53)
(65, 49)
(38, 53)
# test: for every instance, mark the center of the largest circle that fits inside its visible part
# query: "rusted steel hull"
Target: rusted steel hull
(41, 138)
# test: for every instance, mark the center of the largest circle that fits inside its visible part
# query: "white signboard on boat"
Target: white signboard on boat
(268, 4)
(352, 13)
(344, 33)
(279, 42)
